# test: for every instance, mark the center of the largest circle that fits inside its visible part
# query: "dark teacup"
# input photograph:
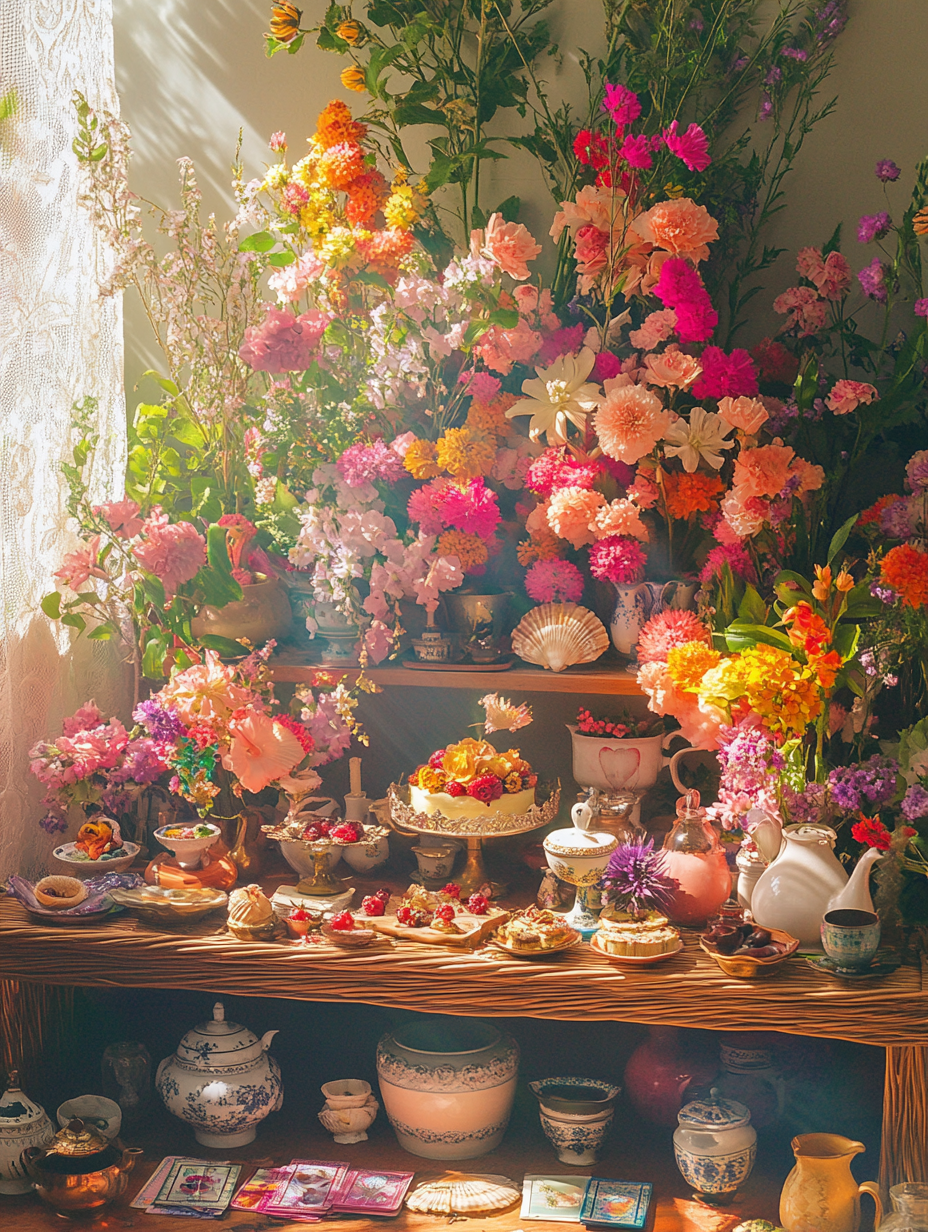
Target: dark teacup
(851, 938)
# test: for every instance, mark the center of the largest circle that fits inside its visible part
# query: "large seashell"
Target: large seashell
(463, 1193)
(559, 634)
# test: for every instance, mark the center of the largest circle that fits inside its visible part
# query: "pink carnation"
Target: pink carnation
(656, 327)
(671, 368)
(85, 717)
(361, 464)
(283, 342)
(644, 491)
(572, 514)
(630, 422)
(173, 551)
(636, 151)
(566, 341)
(555, 468)
(846, 396)
(121, 517)
(726, 376)
(620, 517)
(78, 566)
(617, 559)
(803, 309)
(667, 630)
(680, 288)
(510, 246)
(426, 506)
(473, 509)
(482, 387)
(501, 348)
(554, 581)
(748, 415)
(607, 366)
(833, 280)
(733, 555)
(621, 105)
(691, 147)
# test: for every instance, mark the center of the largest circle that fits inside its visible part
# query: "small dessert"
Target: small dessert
(59, 893)
(478, 904)
(373, 904)
(251, 916)
(471, 779)
(535, 929)
(347, 832)
(630, 936)
(412, 917)
(451, 890)
(300, 921)
(743, 940)
(342, 929)
(98, 839)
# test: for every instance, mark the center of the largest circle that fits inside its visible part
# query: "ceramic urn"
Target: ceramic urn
(23, 1124)
(222, 1081)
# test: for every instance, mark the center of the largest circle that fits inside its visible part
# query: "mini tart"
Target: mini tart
(348, 937)
(58, 893)
(635, 939)
(535, 929)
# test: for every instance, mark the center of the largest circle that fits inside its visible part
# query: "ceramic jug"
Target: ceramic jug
(631, 611)
(806, 880)
(23, 1124)
(820, 1194)
(664, 1072)
(222, 1081)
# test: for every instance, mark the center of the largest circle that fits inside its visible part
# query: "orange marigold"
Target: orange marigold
(340, 165)
(366, 194)
(905, 569)
(470, 550)
(465, 454)
(687, 664)
(544, 545)
(696, 493)
(387, 248)
(335, 125)
(420, 460)
(490, 417)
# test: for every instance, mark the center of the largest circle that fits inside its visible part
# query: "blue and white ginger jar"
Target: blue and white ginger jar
(715, 1146)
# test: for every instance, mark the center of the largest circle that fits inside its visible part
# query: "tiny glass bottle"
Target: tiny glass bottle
(693, 857)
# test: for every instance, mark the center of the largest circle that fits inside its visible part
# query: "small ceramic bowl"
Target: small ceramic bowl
(188, 852)
(435, 863)
(577, 1096)
(102, 1114)
(367, 855)
(576, 1139)
(743, 967)
(346, 1093)
(78, 865)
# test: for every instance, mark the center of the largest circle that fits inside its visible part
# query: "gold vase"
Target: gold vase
(248, 845)
(263, 612)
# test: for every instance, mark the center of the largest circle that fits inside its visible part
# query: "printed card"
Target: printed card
(373, 1193)
(558, 1198)
(616, 1204)
(199, 1184)
(306, 1188)
(260, 1186)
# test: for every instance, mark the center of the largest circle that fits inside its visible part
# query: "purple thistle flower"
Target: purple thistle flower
(886, 170)
(873, 227)
(915, 803)
(635, 876)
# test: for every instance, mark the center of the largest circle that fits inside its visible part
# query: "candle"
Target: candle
(354, 768)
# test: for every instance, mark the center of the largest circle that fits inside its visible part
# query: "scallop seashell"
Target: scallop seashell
(557, 635)
(463, 1193)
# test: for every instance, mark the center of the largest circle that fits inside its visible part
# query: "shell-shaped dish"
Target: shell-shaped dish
(557, 635)
(462, 1193)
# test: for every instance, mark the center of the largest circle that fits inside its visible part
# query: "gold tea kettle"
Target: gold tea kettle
(79, 1170)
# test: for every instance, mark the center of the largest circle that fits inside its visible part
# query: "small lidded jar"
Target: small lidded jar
(715, 1146)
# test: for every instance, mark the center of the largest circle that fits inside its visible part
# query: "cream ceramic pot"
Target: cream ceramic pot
(23, 1124)
(222, 1081)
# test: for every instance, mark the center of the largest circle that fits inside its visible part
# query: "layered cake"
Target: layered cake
(535, 929)
(470, 779)
(637, 937)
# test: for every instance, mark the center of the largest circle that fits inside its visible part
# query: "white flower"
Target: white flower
(560, 395)
(502, 715)
(702, 437)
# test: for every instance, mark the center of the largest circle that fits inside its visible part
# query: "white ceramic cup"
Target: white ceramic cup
(94, 1110)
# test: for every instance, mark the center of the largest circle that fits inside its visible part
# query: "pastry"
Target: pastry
(59, 893)
(341, 929)
(535, 929)
(633, 937)
(470, 779)
(251, 913)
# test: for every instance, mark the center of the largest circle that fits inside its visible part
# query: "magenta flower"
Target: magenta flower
(283, 342)
(426, 506)
(473, 510)
(691, 147)
(726, 376)
(554, 581)
(621, 105)
(607, 366)
(873, 227)
(617, 558)
(886, 169)
(921, 308)
(795, 53)
(481, 386)
(872, 280)
(680, 287)
(636, 150)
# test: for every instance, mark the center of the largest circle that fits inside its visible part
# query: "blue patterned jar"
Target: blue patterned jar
(715, 1146)
(448, 1086)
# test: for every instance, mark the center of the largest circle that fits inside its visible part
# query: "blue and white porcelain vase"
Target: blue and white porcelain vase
(715, 1146)
(222, 1081)
(448, 1086)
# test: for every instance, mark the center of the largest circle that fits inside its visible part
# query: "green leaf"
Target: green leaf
(800, 586)
(166, 384)
(475, 330)
(51, 605)
(102, 633)
(75, 620)
(741, 635)
(505, 318)
(222, 645)
(280, 259)
(261, 241)
(414, 113)
(752, 608)
(846, 637)
(153, 658)
(217, 582)
(327, 41)
(509, 209)
(839, 538)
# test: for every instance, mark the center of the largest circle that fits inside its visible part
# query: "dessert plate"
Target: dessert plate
(548, 952)
(634, 960)
(885, 963)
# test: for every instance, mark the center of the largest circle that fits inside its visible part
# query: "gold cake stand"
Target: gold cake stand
(474, 830)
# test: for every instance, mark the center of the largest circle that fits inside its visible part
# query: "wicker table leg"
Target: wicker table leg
(904, 1154)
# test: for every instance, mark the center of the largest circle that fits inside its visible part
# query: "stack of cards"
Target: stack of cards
(183, 1186)
(615, 1204)
(372, 1193)
(558, 1198)
(309, 1189)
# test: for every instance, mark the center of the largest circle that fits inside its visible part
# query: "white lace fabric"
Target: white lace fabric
(58, 342)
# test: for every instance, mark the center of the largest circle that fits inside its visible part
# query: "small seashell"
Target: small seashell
(462, 1193)
(556, 635)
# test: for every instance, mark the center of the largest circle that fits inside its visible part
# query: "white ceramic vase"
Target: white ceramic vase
(23, 1123)
(448, 1086)
(222, 1081)
(631, 611)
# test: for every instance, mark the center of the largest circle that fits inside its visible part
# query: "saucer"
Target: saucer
(884, 962)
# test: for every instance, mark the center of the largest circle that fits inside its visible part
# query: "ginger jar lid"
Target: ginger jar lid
(18, 1113)
(574, 842)
(714, 1113)
(218, 1043)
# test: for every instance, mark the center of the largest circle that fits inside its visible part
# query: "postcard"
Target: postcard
(306, 1188)
(616, 1204)
(199, 1184)
(558, 1198)
(260, 1185)
(364, 1191)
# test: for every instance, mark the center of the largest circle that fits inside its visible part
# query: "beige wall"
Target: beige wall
(191, 73)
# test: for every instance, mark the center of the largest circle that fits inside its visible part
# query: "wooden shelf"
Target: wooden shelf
(522, 678)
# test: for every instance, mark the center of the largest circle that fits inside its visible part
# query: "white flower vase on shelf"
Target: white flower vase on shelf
(631, 612)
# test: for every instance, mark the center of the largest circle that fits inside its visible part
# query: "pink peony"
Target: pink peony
(81, 564)
(680, 288)
(803, 309)
(691, 147)
(620, 517)
(725, 376)
(680, 227)
(572, 514)
(122, 517)
(85, 717)
(509, 245)
(554, 581)
(173, 551)
(671, 368)
(846, 396)
(284, 342)
(656, 327)
(630, 422)
(668, 629)
(617, 559)
(748, 415)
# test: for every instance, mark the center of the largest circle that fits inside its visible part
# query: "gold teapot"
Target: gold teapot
(79, 1170)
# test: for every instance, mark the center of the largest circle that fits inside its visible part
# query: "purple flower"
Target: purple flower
(915, 803)
(806, 806)
(865, 787)
(921, 308)
(829, 21)
(55, 821)
(871, 279)
(635, 875)
(773, 75)
(873, 227)
(886, 595)
(916, 470)
(896, 520)
(739, 64)
(886, 169)
(162, 722)
(765, 110)
(795, 53)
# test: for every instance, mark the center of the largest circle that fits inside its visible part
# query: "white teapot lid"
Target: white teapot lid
(218, 1042)
(575, 842)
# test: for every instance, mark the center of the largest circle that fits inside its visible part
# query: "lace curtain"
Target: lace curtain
(58, 343)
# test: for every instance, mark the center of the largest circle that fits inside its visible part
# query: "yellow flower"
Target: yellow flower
(784, 694)
(420, 460)
(275, 177)
(513, 783)
(285, 22)
(432, 780)
(465, 454)
(353, 79)
(687, 664)
(338, 247)
(725, 682)
(350, 31)
(404, 207)
(490, 417)
(465, 761)
(499, 766)
(469, 549)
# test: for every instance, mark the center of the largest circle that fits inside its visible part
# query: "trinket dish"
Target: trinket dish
(157, 905)
(746, 967)
(79, 864)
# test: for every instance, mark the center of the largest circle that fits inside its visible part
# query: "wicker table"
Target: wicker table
(687, 991)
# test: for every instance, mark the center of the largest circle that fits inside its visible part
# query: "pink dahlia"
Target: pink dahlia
(617, 559)
(173, 551)
(283, 342)
(667, 630)
(554, 581)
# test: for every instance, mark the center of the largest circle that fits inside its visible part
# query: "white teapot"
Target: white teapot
(222, 1081)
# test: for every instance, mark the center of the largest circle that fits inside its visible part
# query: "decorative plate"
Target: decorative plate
(165, 906)
(885, 962)
(551, 950)
(95, 906)
(634, 960)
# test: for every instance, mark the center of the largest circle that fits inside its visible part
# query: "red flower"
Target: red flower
(485, 789)
(307, 743)
(590, 149)
(774, 362)
(454, 788)
(870, 830)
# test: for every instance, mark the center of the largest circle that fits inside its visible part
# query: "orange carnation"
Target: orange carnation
(470, 550)
(875, 512)
(335, 125)
(387, 248)
(340, 165)
(366, 194)
(687, 664)
(905, 569)
(465, 454)
(696, 493)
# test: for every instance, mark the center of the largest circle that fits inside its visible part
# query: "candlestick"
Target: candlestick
(354, 770)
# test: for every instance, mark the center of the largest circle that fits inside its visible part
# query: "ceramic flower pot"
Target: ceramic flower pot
(448, 1086)
(577, 1140)
(263, 612)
